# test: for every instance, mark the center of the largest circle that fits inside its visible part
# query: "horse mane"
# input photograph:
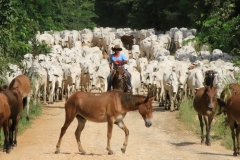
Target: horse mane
(128, 99)
(11, 85)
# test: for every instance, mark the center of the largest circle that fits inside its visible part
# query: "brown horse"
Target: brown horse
(16, 107)
(22, 84)
(4, 122)
(205, 104)
(119, 79)
(227, 93)
(230, 97)
(14, 99)
(233, 112)
(110, 107)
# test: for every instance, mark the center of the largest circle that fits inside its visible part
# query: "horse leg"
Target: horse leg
(81, 124)
(15, 129)
(68, 120)
(208, 121)
(109, 136)
(124, 128)
(231, 123)
(6, 147)
(238, 138)
(201, 125)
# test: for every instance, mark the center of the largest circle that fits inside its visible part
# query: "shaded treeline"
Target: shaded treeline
(217, 21)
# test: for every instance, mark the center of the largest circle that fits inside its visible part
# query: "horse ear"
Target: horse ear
(149, 99)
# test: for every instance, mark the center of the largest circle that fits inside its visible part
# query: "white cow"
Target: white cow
(135, 51)
(178, 38)
(145, 48)
(195, 80)
(171, 84)
(142, 63)
(39, 80)
(100, 78)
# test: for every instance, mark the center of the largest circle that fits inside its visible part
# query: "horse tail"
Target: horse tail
(235, 124)
(24, 101)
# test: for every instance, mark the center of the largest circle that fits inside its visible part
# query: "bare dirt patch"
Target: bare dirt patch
(167, 139)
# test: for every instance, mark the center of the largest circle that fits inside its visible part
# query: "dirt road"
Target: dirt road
(165, 140)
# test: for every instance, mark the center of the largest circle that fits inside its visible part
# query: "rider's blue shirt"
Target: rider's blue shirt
(113, 58)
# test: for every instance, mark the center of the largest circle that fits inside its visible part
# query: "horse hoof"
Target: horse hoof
(171, 110)
(27, 118)
(57, 152)
(110, 153)
(235, 154)
(8, 151)
(84, 153)
(123, 150)
(208, 143)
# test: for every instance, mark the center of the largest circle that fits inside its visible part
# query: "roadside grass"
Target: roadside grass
(220, 131)
(34, 111)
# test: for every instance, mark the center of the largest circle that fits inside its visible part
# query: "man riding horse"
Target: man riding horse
(118, 59)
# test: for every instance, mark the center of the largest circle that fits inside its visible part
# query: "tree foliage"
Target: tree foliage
(217, 21)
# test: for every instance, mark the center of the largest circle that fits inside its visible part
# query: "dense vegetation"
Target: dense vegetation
(217, 21)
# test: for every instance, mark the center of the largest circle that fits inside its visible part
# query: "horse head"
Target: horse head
(145, 109)
(210, 92)
(120, 72)
(119, 79)
(210, 77)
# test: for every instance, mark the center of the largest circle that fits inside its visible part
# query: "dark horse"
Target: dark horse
(230, 97)
(205, 104)
(4, 122)
(209, 77)
(119, 79)
(14, 100)
(110, 107)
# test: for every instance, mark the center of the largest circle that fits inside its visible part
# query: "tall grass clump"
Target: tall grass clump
(188, 116)
(34, 111)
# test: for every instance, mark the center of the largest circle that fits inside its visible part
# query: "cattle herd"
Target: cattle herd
(79, 61)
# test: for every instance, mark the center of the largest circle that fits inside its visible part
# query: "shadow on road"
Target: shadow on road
(61, 107)
(183, 144)
(158, 109)
(208, 153)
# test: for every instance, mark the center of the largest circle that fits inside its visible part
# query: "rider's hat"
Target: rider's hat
(116, 48)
